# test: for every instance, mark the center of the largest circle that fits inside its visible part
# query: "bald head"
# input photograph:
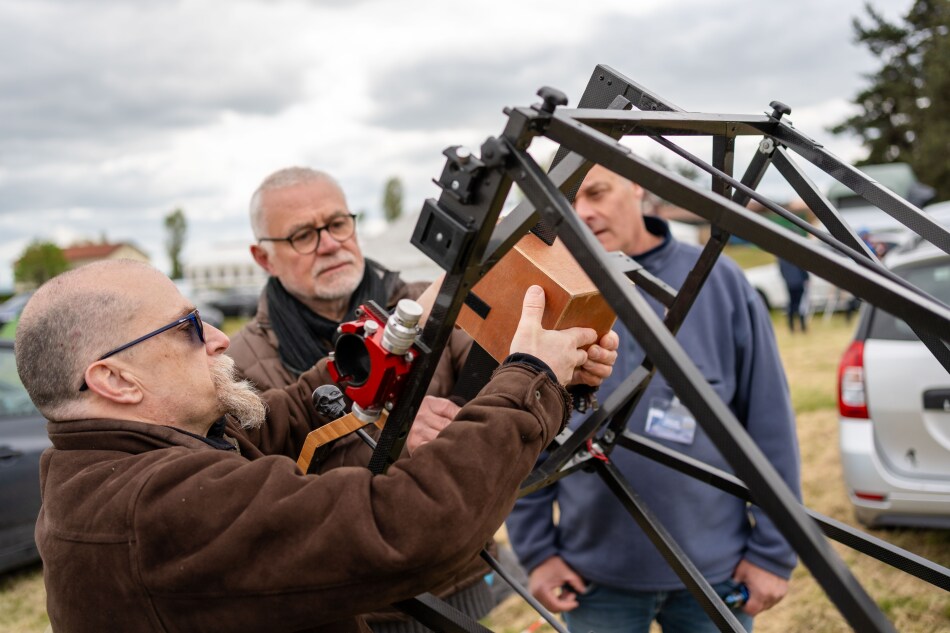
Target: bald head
(72, 320)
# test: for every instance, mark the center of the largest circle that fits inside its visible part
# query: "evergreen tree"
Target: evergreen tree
(905, 111)
(176, 226)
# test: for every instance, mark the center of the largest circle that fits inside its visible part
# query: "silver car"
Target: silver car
(894, 406)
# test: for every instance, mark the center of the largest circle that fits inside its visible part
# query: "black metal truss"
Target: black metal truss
(461, 232)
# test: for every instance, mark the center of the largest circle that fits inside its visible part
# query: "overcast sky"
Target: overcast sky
(114, 113)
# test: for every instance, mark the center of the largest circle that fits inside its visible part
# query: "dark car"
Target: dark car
(210, 314)
(22, 438)
(237, 302)
(12, 307)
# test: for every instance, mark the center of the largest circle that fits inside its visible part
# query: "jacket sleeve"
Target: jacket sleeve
(764, 405)
(260, 535)
(256, 357)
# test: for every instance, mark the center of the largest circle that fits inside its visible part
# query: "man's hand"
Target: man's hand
(546, 582)
(434, 415)
(601, 357)
(765, 588)
(559, 349)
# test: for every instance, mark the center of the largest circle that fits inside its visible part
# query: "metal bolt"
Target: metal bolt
(370, 328)
(766, 146)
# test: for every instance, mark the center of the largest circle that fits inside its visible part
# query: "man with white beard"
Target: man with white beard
(171, 498)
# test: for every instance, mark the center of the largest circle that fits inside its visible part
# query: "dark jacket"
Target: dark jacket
(795, 277)
(254, 350)
(254, 347)
(147, 528)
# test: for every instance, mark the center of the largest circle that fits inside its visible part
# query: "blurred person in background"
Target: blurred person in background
(594, 564)
(796, 282)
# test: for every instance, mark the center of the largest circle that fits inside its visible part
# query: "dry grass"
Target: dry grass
(23, 602)
(748, 255)
(811, 362)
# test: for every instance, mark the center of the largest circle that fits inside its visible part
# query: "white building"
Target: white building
(389, 245)
(227, 265)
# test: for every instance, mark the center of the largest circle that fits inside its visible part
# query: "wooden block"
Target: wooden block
(571, 299)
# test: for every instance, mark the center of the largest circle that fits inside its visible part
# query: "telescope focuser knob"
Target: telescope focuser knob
(400, 331)
(551, 98)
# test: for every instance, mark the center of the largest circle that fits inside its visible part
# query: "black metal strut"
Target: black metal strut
(462, 233)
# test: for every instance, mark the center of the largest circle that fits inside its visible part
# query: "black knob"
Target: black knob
(552, 98)
(329, 402)
(778, 109)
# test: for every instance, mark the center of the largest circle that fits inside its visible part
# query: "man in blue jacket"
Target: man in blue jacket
(618, 580)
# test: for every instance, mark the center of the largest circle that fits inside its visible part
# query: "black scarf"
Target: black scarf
(304, 336)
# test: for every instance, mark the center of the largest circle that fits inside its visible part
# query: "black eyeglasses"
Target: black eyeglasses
(307, 239)
(192, 317)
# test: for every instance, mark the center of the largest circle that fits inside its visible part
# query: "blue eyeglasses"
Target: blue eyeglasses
(193, 317)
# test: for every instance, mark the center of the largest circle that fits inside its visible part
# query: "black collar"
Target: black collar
(216, 437)
(660, 228)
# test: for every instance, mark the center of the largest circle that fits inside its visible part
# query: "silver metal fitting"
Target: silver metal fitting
(366, 416)
(400, 332)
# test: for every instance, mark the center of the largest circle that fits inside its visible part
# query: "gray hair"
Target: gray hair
(287, 177)
(66, 325)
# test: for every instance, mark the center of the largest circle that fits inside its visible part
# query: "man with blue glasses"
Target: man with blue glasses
(171, 496)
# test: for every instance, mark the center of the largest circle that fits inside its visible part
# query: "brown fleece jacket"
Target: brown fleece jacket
(146, 528)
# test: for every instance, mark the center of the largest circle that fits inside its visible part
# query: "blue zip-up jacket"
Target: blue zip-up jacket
(728, 335)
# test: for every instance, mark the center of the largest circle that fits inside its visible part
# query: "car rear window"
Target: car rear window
(933, 277)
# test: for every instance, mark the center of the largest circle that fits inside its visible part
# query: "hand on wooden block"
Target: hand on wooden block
(493, 307)
(559, 349)
(601, 357)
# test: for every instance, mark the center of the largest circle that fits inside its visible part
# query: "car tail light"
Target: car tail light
(852, 401)
(870, 496)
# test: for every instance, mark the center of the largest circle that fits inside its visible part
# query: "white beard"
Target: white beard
(238, 398)
(344, 285)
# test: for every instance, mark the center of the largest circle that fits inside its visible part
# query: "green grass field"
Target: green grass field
(811, 363)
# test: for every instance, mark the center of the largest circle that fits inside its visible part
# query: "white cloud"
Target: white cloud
(115, 112)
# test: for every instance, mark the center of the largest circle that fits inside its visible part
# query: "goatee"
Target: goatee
(238, 397)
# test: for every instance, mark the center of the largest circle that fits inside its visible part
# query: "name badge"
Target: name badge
(671, 421)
